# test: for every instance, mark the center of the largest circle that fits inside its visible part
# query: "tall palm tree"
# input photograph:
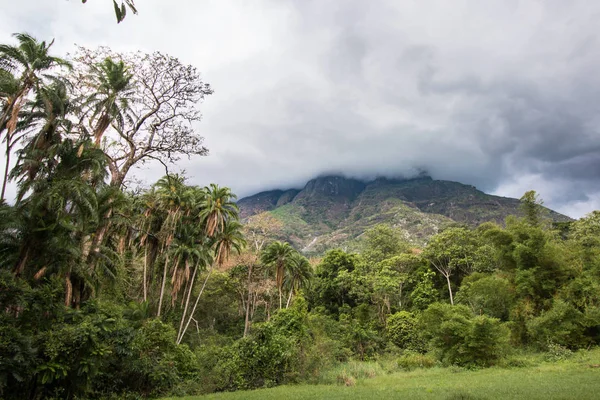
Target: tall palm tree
(217, 207)
(278, 256)
(44, 121)
(224, 243)
(112, 85)
(173, 197)
(298, 275)
(30, 59)
(9, 89)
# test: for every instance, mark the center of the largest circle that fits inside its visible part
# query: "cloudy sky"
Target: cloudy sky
(503, 95)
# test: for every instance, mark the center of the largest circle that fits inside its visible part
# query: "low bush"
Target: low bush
(459, 337)
(411, 361)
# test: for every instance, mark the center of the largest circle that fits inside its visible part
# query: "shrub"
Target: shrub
(562, 324)
(402, 330)
(410, 361)
(556, 352)
(262, 359)
(463, 339)
(156, 363)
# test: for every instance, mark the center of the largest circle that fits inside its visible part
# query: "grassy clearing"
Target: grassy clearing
(575, 378)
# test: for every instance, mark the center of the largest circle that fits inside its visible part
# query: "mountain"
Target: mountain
(333, 211)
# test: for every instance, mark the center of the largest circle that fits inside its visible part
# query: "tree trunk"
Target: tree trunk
(280, 298)
(400, 295)
(99, 236)
(145, 285)
(23, 259)
(187, 301)
(180, 338)
(6, 167)
(68, 290)
(287, 305)
(450, 289)
(247, 321)
(162, 287)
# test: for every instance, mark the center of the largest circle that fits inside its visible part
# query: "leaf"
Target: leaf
(118, 12)
(131, 6)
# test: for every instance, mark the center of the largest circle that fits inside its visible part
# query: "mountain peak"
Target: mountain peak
(333, 210)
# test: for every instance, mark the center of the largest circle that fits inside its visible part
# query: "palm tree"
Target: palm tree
(228, 240)
(173, 196)
(298, 276)
(217, 207)
(278, 255)
(47, 114)
(60, 209)
(112, 84)
(9, 89)
(32, 60)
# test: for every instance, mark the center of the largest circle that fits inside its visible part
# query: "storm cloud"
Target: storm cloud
(503, 95)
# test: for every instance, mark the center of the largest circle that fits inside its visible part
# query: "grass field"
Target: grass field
(577, 378)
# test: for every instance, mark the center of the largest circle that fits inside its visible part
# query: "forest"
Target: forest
(111, 289)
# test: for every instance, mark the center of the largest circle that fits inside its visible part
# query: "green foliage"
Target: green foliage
(381, 242)
(411, 360)
(531, 204)
(156, 363)
(424, 292)
(331, 290)
(402, 330)
(260, 360)
(490, 295)
(562, 324)
(463, 339)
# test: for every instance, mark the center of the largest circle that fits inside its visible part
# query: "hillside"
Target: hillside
(332, 211)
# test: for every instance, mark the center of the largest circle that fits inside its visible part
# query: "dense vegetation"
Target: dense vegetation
(109, 292)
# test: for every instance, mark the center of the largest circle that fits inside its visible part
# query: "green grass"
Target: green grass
(576, 378)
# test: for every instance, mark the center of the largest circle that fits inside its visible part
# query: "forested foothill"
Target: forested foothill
(107, 291)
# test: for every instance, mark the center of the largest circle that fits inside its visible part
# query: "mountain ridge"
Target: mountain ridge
(333, 210)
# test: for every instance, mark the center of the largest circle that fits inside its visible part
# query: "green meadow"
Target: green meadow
(575, 378)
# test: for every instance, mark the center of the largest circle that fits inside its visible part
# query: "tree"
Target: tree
(217, 207)
(159, 124)
(298, 275)
(32, 62)
(402, 265)
(329, 289)
(278, 256)
(226, 241)
(487, 294)
(531, 205)
(9, 88)
(173, 195)
(451, 251)
(586, 230)
(44, 123)
(259, 228)
(110, 102)
(381, 242)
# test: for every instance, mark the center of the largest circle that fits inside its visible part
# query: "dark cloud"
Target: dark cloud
(504, 95)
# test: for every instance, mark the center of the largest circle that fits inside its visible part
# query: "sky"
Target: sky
(503, 95)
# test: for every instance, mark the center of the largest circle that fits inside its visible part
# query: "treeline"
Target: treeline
(107, 292)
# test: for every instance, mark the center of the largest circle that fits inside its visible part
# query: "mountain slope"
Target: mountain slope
(333, 211)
